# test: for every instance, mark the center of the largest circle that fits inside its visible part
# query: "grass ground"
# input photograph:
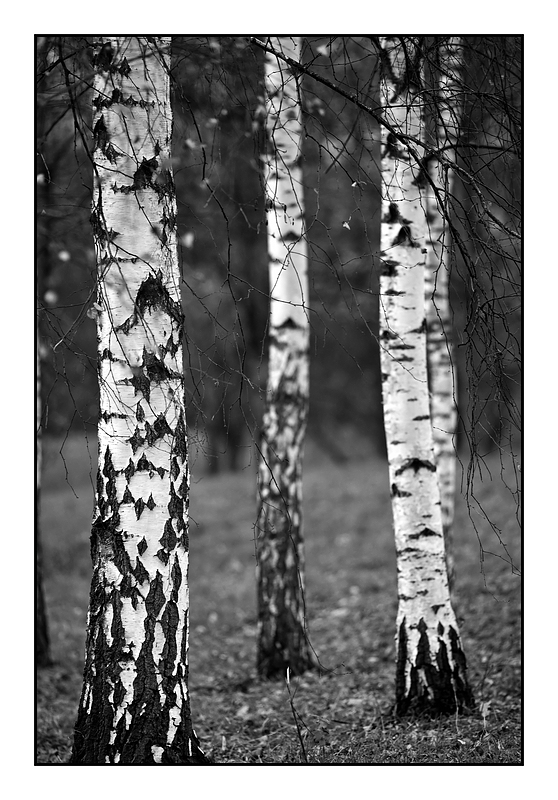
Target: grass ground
(343, 716)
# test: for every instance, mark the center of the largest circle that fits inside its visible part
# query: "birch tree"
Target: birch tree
(282, 639)
(431, 669)
(135, 706)
(441, 372)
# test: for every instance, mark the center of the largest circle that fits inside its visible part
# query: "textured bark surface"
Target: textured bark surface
(441, 369)
(431, 669)
(135, 706)
(282, 639)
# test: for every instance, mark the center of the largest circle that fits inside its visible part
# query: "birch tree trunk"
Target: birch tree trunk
(431, 670)
(282, 638)
(442, 378)
(135, 706)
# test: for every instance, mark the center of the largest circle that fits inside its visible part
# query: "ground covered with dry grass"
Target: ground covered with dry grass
(343, 715)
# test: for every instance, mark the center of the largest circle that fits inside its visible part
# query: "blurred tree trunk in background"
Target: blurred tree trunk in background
(43, 269)
(135, 706)
(42, 640)
(282, 637)
(431, 670)
(444, 118)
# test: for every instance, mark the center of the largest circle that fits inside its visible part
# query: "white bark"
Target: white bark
(431, 666)
(447, 111)
(280, 569)
(135, 703)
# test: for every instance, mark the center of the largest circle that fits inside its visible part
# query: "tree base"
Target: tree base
(273, 663)
(437, 681)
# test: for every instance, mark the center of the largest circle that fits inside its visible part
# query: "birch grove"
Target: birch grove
(431, 668)
(135, 706)
(282, 639)
(441, 366)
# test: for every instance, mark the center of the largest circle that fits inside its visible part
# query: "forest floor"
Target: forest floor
(345, 715)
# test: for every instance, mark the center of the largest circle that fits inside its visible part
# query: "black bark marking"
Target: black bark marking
(183, 489)
(164, 185)
(163, 556)
(420, 418)
(127, 497)
(431, 688)
(103, 59)
(176, 506)
(169, 538)
(404, 237)
(129, 471)
(142, 546)
(155, 599)
(155, 368)
(100, 135)
(144, 465)
(124, 68)
(158, 430)
(174, 468)
(140, 382)
(415, 464)
(106, 416)
(180, 443)
(393, 149)
(144, 173)
(397, 492)
(152, 294)
(176, 578)
(136, 441)
(139, 571)
(390, 269)
(112, 154)
(422, 533)
(139, 507)
(288, 323)
(392, 215)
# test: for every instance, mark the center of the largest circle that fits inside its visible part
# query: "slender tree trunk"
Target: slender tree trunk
(42, 639)
(441, 367)
(135, 706)
(282, 638)
(431, 669)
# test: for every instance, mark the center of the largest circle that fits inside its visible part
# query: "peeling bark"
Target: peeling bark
(431, 669)
(282, 637)
(135, 706)
(441, 368)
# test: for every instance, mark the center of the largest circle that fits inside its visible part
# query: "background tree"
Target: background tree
(42, 639)
(135, 706)
(282, 638)
(443, 122)
(431, 667)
